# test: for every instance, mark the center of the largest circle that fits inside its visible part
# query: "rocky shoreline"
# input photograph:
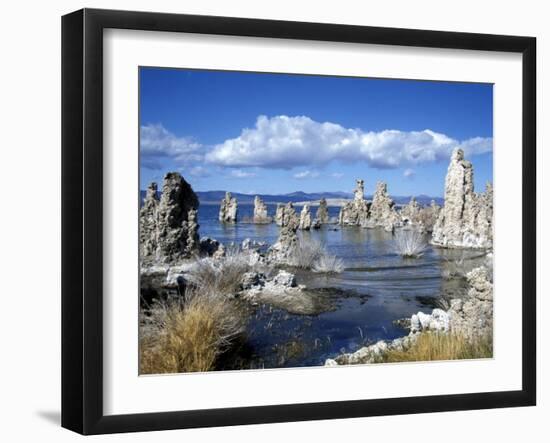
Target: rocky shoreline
(471, 318)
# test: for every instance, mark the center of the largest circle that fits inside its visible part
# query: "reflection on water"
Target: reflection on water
(380, 285)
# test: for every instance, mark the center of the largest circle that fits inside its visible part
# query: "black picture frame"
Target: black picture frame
(82, 218)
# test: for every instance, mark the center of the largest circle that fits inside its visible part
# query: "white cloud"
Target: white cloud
(306, 174)
(239, 173)
(199, 171)
(150, 162)
(409, 173)
(337, 175)
(285, 142)
(157, 142)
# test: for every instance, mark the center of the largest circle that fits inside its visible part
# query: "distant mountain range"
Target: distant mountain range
(214, 197)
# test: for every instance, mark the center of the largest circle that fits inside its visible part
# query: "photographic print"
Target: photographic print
(290, 220)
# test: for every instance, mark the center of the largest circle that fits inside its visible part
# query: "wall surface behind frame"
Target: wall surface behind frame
(30, 217)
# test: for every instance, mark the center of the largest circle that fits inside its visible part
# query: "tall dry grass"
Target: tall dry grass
(312, 255)
(440, 346)
(223, 276)
(305, 254)
(177, 336)
(409, 243)
(328, 264)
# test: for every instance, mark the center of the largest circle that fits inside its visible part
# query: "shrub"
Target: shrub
(409, 243)
(328, 264)
(305, 254)
(188, 337)
(439, 346)
(312, 255)
(223, 276)
(444, 301)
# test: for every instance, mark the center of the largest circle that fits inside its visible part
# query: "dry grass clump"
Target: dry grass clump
(177, 336)
(223, 276)
(409, 243)
(312, 255)
(440, 346)
(305, 254)
(189, 333)
(328, 264)
(444, 301)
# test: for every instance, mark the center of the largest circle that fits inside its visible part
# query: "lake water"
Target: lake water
(376, 288)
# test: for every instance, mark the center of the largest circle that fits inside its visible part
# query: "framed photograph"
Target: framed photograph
(268, 221)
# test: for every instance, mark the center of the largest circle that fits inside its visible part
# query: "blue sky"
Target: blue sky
(279, 133)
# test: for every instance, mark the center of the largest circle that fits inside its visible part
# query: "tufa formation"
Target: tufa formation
(322, 212)
(168, 229)
(355, 212)
(305, 218)
(466, 219)
(260, 211)
(228, 209)
(286, 214)
(382, 212)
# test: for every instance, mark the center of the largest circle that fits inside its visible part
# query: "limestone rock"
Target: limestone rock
(148, 222)
(279, 214)
(256, 282)
(410, 213)
(428, 217)
(305, 218)
(156, 279)
(220, 252)
(359, 191)
(168, 227)
(211, 247)
(382, 212)
(282, 292)
(372, 353)
(193, 242)
(286, 242)
(322, 216)
(285, 279)
(437, 321)
(288, 239)
(260, 211)
(208, 246)
(252, 280)
(466, 219)
(228, 209)
(474, 316)
(367, 354)
(355, 212)
(286, 215)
